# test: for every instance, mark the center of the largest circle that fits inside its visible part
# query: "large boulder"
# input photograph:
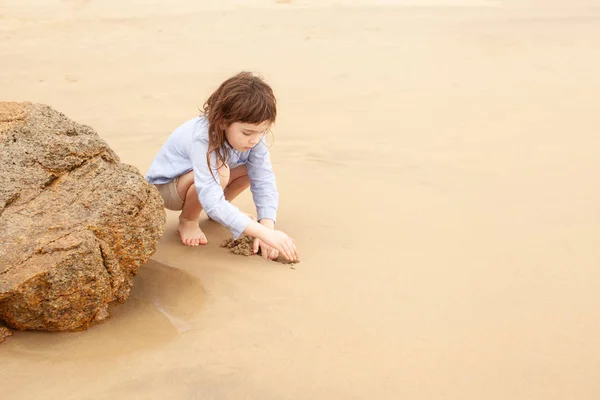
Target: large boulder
(76, 224)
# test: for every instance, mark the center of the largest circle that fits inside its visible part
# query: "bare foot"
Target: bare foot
(190, 233)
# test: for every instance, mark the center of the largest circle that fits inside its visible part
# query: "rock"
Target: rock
(76, 224)
(4, 333)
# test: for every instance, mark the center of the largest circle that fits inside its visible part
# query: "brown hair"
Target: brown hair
(242, 98)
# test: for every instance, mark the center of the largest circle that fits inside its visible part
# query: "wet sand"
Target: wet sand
(437, 167)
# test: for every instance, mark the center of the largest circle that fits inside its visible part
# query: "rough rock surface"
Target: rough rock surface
(4, 333)
(75, 223)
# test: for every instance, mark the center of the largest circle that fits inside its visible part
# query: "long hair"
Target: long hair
(242, 98)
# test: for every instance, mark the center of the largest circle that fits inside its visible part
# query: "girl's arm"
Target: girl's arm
(266, 198)
(210, 192)
(262, 183)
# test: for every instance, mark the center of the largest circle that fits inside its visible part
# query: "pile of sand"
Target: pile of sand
(243, 246)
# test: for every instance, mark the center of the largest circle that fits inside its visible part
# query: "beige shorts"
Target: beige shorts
(168, 192)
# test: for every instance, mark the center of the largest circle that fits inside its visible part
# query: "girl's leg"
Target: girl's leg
(238, 182)
(189, 231)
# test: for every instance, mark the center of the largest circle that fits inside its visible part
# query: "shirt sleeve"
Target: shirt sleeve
(262, 182)
(211, 194)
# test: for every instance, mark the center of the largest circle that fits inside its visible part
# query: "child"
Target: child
(228, 137)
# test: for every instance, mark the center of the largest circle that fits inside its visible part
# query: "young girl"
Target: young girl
(208, 161)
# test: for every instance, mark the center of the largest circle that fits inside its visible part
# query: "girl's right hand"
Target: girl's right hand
(283, 243)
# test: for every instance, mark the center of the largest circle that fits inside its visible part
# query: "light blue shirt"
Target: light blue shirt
(185, 150)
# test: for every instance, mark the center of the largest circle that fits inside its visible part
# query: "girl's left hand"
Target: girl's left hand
(266, 251)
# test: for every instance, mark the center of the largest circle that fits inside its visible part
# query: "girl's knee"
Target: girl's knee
(183, 183)
(238, 172)
(224, 175)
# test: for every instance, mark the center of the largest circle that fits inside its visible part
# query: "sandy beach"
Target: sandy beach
(437, 166)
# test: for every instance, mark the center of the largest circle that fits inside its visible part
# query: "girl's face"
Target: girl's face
(243, 136)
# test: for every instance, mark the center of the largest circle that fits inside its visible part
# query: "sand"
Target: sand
(437, 168)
